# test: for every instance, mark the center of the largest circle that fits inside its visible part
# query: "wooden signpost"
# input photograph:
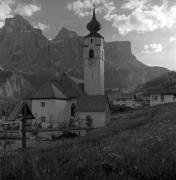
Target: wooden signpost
(26, 114)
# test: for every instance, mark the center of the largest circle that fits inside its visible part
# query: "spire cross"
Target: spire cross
(94, 9)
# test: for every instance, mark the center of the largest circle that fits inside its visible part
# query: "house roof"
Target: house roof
(75, 79)
(117, 95)
(89, 103)
(64, 88)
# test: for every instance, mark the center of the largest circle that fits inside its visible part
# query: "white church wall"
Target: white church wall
(94, 73)
(98, 118)
(102, 77)
(54, 111)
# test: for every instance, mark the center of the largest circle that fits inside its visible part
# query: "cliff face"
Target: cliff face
(68, 54)
(25, 51)
(119, 55)
(23, 47)
(65, 34)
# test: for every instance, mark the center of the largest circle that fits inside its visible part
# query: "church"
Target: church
(63, 100)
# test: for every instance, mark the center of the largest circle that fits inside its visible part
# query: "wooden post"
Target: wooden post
(24, 112)
(23, 135)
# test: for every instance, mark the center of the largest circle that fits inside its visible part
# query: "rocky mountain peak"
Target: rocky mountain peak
(64, 34)
(17, 24)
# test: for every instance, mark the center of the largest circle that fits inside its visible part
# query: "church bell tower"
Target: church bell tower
(93, 55)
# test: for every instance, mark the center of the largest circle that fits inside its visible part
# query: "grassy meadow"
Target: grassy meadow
(136, 145)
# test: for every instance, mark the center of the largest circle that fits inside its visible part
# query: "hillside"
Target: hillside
(24, 49)
(165, 81)
(138, 145)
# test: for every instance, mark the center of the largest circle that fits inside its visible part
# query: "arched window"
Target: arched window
(73, 109)
(91, 53)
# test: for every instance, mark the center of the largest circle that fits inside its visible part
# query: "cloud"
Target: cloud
(152, 48)
(27, 9)
(10, 7)
(144, 17)
(133, 4)
(42, 26)
(84, 8)
(5, 11)
(139, 16)
(171, 39)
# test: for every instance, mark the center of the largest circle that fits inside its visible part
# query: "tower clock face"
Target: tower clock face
(91, 62)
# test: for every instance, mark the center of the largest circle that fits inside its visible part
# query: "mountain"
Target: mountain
(26, 55)
(23, 47)
(65, 34)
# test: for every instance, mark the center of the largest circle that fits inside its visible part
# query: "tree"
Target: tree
(89, 121)
(35, 134)
(51, 119)
(63, 126)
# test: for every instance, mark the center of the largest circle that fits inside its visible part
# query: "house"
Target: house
(96, 107)
(122, 99)
(142, 99)
(162, 96)
(55, 102)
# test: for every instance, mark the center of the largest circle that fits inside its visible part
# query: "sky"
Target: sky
(150, 25)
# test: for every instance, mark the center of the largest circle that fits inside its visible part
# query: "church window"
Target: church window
(43, 104)
(91, 53)
(154, 98)
(43, 119)
(162, 98)
(73, 110)
(91, 40)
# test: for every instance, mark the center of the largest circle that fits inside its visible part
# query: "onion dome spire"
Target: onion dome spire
(94, 26)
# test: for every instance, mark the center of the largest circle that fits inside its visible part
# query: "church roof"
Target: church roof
(68, 87)
(94, 26)
(65, 88)
(89, 103)
(94, 35)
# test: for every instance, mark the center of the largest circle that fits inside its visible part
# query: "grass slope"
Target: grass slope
(138, 145)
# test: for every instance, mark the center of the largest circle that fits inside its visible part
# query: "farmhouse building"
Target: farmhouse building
(122, 99)
(162, 96)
